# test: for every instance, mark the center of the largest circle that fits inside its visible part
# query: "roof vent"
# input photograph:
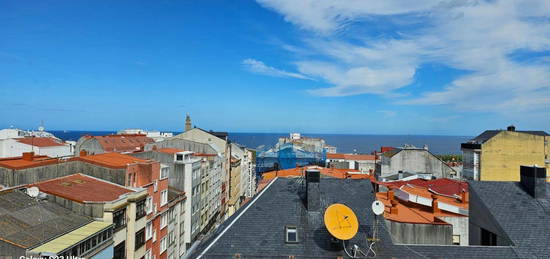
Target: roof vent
(533, 180)
(313, 199)
(511, 128)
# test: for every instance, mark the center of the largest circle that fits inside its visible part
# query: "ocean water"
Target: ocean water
(343, 143)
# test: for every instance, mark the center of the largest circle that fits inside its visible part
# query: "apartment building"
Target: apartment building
(35, 227)
(122, 206)
(199, 176)
(496, 155)
(176, 227)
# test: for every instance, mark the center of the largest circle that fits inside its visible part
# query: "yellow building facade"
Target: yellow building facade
(498, 155)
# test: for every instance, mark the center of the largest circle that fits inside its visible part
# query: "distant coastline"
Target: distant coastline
(346, 143)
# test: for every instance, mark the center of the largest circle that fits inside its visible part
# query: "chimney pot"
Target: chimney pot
(28, 156)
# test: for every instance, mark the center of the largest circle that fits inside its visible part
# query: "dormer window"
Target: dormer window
(291, 234)
(179, 157)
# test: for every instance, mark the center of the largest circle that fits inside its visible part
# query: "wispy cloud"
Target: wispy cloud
(388, 113)
(476, 36)
(260, 67)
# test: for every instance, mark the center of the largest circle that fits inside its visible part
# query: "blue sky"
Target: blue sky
(367, 67)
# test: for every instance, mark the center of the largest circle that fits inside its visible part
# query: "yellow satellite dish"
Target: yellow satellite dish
(341, 222)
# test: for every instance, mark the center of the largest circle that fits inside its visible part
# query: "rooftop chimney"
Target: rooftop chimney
(533, 180)
(313, 199)
(83, 152)
(511, 128)
(28, 156)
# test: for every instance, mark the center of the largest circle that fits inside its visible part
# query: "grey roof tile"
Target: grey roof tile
(27, 222)
(257, 229)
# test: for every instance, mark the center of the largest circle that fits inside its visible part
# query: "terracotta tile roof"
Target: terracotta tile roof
(82, 188)
(386, 149)
(18, 163)
(123, 142)
(169, 150)
(351, 156)
(328, 172)
(40, 141)
(111, 160)
(408, 212)
(444, 186)
(424, 192)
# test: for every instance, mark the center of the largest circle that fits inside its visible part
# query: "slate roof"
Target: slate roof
(523, 218)
(40, 141)
(26, 223)
(112, 160)
(256, 230)
(488, 134)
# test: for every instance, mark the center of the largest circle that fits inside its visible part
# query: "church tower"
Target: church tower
(188, 125)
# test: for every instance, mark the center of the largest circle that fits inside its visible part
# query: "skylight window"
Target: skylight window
(291, 234)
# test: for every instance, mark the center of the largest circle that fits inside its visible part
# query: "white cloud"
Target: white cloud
(475, 36)
(259, 67)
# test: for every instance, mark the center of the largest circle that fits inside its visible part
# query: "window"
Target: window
(488, 238)
(182, 229)
(456, 240)
(291, 234)
(148, 254)
(148, 231)
(119, 251)
(164, 172)
(140, 238)
(163, 220)
(140, 209)
(179, 157)
(172, 214)
(119, 219)
(163, 198)
(163, 245)
(149, 205)
(171, 237)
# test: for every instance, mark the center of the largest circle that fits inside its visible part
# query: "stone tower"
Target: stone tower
(188, 125)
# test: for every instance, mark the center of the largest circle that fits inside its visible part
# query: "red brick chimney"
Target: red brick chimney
(28, 156)
(83, 152)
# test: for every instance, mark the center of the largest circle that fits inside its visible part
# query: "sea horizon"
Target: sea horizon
(345, 143)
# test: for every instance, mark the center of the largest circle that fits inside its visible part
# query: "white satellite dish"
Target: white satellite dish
(33, 191)
(378, 207)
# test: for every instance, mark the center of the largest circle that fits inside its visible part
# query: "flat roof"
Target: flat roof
(82, 188)
(17, 163)
(70, 239)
